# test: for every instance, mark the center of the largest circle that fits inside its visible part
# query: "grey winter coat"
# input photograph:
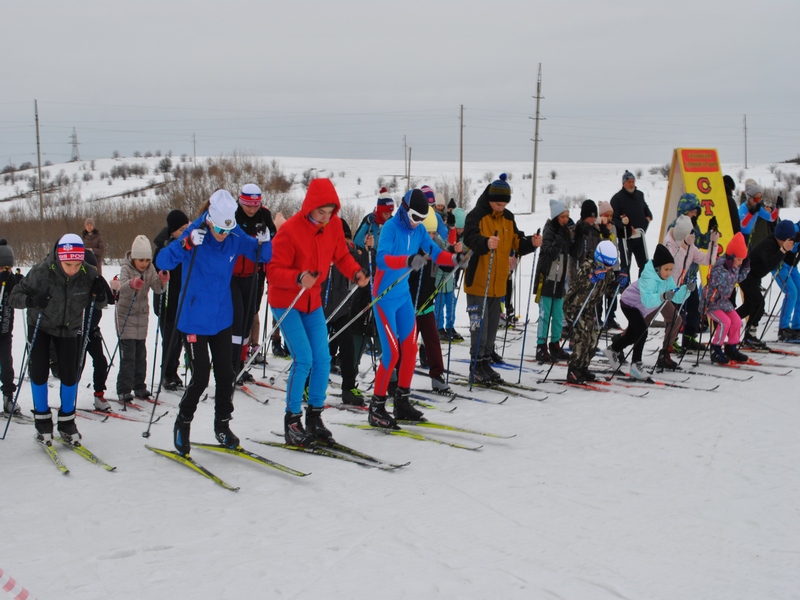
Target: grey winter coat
(69, 296)
(136, 326)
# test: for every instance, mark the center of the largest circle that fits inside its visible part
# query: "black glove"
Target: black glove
(797, 237)
(746, 263)
(416, 262)
(95, 333)
(691, 286)
(712, 224)
(779, 203)
(667, 295)
(39, 300)
(754, 209)
(157, 305)
(98, 287)
(6, 276)
(451, 220)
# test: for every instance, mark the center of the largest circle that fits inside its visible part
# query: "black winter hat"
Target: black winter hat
(662, 257)
(89, 257)
(176, 219)
(730, 184)
(6, 254)
(452, 203)
(588, 209)
(417, 202)
(499, 190)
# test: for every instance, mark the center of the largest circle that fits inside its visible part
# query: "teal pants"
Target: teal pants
(551, 315)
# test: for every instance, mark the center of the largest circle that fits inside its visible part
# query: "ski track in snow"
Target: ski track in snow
(681, 494)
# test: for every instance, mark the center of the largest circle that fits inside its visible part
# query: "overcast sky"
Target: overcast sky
(623, 81)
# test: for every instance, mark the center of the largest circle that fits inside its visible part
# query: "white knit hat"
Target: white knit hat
(683, 227)
(222, 211)
(141, 248)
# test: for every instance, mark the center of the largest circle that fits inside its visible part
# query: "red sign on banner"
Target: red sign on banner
(696, 161)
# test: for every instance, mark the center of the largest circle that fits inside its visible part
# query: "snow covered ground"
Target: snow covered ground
(679, 494)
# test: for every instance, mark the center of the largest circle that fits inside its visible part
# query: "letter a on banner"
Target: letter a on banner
(697, 171)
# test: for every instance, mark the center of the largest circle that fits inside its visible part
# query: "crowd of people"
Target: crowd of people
(390, 290)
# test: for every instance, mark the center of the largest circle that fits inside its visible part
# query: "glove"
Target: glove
(98, 287)
(157, 305)
(115, 284)
(39, 300)
(360, 279)
(195, 238)
(163, 277)
(715, 235)
(754, 209)
(622, 279)
(691, 286)
(95, 333)
(712, 224)
(460, 260)
(689, 239)
(137, 283)
(5, 276)
(597, 275)
(667, 295)
(416, 262)
(263, 237)
(625, 220)
(779, 203)
(451, 220)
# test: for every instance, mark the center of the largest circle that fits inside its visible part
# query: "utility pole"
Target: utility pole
(745, 141)
(76, 156)
(405, 161)
(39, 160)
(194, 145)
(536, 139)
(408, 172)
(461, 162)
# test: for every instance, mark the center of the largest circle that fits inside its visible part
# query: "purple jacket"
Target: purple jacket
(723, 276)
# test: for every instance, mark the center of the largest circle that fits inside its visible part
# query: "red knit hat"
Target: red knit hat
(737, 247)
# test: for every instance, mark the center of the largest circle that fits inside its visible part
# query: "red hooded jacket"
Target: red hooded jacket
(301, 245)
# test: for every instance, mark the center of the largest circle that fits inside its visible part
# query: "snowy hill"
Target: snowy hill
(681, 493)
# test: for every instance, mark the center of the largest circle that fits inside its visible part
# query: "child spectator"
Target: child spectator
(137, 277)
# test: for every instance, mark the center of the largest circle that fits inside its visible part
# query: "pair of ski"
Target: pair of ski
(506, 387)
(78, 448)
(337, 451)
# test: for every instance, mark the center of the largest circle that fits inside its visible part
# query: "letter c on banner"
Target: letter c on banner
(704, 185)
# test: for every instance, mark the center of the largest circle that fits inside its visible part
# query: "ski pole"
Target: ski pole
(450, 337)
(443, 282)
(352, 291)
(644, 243)
(483, 317)
(172, 337)
(122, 331)
(638, 339)
(368, 306)
(248, 310)
(29, 348)
(528, 311)
(155, 346)
(275, 327)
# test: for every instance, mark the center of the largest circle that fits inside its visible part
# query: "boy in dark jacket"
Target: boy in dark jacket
(56, 291)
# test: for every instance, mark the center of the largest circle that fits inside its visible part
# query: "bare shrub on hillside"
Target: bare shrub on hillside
(772, 168)
(740, 175)
(574, 201)
(352, 213)
(550, 189)
(553, 174)
(449, 189)
(638, 173)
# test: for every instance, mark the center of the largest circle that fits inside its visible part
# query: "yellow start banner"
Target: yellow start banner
(698, 171)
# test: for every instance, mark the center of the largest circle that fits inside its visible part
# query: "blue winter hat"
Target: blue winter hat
(627, 175)
(499, 190)
(556, 207)
(461, 216)
(785, 230)
(687, 203)
(606, 253)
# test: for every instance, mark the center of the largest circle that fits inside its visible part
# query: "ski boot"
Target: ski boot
(691, 344)
(403, 409)
(141, 393)
(439, 385)
(588, 375)
(732, 352)
(666, 362)
(377, 416)
(615, 358)
(278, 350)
(752, 341)
(494, 376)
(68, 429)
(245, 378)
(638, 372)
(100, 402)
(423, 357)
(224, 435)
(575, 375)
(717, 355)
(478, 374)
(557, 352)
(315, 427)
(293, 432)
(8, 405)
(172, 383)
(455, 336)
(444, 336)
(786, 334)
(496, 359)
(542, 355)
(353, 397)
(44, 426)
(180, 435)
